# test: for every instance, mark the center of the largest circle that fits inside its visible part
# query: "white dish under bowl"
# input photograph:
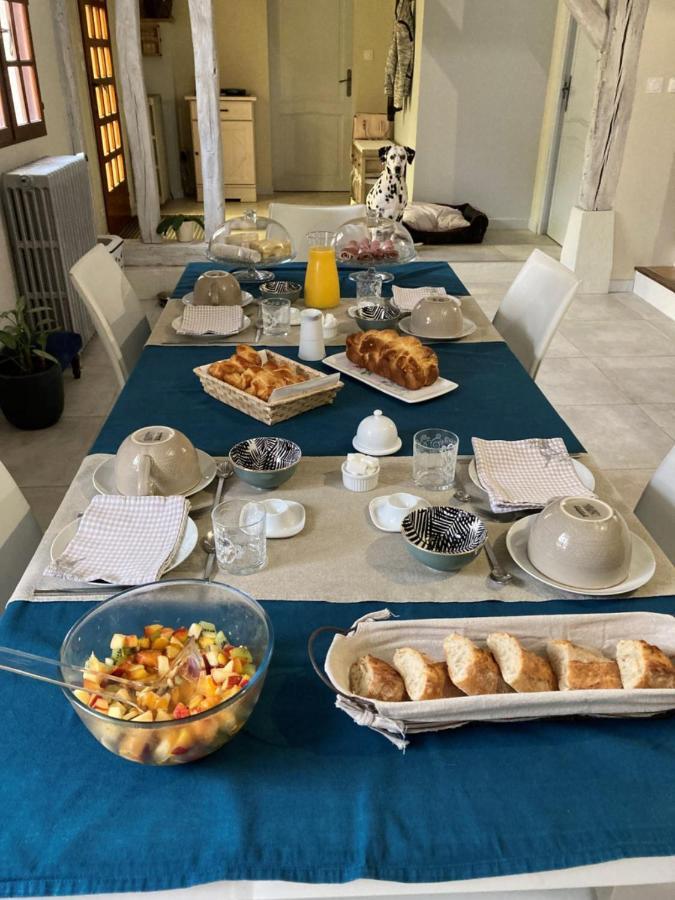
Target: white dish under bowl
(642, 564)
(369, 452)
(469, 328)
(246, 323)
(584, 474)
(375, 509)
(188, 544)
(104, 475)
(246, 298)
(340, 362)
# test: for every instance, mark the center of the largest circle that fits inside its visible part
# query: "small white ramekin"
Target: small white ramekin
(359, 483)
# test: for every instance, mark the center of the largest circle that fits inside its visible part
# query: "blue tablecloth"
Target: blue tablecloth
(496, 399)
(416, 274)
(303, 794)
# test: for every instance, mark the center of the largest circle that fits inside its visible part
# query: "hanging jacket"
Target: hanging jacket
(399, 66)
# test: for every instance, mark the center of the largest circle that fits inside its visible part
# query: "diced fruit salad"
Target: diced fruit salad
(147, 657)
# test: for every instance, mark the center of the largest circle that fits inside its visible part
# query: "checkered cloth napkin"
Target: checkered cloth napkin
(407, 298)
(211, 320)
(124, 540)
(526, 474)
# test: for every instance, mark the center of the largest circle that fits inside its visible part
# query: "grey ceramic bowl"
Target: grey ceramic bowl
(377, 316)
(443, 537)
(290, 290)
(582, 542)
(265, 462)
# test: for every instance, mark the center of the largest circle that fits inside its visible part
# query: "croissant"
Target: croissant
(403, 360)
(246, 372)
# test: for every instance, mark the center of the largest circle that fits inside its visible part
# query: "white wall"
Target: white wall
(484, 68)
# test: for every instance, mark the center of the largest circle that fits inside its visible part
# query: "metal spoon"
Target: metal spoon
(462, 496)
(497, 574)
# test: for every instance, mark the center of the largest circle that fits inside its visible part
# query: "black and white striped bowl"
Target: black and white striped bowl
(443, 537)
(265, 462)
(376, 316)
(290, 290)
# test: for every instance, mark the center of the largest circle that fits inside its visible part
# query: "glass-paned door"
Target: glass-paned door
(105, 111)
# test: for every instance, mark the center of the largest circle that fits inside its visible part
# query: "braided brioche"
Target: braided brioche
(404, 360)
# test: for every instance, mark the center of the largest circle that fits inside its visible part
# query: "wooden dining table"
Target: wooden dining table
(304, 802)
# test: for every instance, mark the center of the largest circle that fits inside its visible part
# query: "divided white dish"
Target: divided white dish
(381, 637)
(340, 362)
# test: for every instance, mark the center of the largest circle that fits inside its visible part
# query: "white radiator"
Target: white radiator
(50, 224)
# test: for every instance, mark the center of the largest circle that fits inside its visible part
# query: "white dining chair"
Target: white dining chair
(530, 313)
(20, 535)
(656, 507)
(299, 220)
(113, 305)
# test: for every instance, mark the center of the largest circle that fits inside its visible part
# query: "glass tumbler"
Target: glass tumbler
(435, 458)
(239, 536)
(276, 315)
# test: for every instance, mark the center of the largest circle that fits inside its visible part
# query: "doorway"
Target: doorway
(311, 102)
(576, 106)
(103, 98)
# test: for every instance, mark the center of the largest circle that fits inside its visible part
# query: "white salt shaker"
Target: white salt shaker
(312, 345)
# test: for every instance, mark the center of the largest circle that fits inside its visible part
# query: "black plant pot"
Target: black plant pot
(31, 401)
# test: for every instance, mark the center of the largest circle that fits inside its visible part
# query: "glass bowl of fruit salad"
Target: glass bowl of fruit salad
(173, 714)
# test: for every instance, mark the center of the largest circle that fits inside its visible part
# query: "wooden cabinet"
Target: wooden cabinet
(366, 167)
(238, 139)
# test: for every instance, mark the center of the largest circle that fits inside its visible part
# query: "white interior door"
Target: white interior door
(310, 53)
(573, 133)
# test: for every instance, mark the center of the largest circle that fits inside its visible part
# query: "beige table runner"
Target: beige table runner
(164, 335)
(340, 555)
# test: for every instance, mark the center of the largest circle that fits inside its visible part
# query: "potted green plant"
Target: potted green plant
(182, 226)
(31, 381)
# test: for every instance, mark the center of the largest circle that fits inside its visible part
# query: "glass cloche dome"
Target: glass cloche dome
(251, 239)
(373, 242)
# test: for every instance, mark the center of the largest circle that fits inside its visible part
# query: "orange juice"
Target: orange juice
(322, 285)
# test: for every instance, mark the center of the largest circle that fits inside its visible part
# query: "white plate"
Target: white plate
(246, 298)
(188, 544)
(642, 563)
(441, 386)
(104, 476)
(375, 505)
(211, 334)
(468, 328)
(397, 446)
(584, 475)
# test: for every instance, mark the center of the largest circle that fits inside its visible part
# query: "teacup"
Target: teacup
(582, 542)
(217, 288)
(439, 317)
(396, 507)
(156, 460)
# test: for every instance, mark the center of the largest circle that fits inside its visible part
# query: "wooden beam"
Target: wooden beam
(613, 104)
(71, 96)
(592, 18)
(207, 91)
(134, 106)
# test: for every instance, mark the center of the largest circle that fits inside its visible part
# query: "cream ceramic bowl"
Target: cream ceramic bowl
(217, 288)
(156, 460)
(437, 317)
(580, 541)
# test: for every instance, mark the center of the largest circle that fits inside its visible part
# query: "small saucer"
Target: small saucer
(246, 298)
(468, 328)
(375, 508)
(296, 512)
(393, 449)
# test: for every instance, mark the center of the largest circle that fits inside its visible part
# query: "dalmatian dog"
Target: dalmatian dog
(388, 197)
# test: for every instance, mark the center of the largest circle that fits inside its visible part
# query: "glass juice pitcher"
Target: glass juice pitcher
(322, 284)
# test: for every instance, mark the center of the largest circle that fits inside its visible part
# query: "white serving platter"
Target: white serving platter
(601, 631)
(441, 386)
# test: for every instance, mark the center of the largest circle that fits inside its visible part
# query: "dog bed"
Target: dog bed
(472, 233)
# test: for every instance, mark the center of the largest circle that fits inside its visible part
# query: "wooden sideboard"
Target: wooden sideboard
(237, 131)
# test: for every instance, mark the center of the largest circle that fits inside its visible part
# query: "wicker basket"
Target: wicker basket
(277, 410)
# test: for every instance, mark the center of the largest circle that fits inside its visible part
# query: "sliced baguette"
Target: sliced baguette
(643, 665)
(375, 679)
(472, 669)
(582, 668)
(523, 670)
(424, 679)
(449, 689)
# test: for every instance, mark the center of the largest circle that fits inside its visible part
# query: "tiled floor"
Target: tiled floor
(610, 372)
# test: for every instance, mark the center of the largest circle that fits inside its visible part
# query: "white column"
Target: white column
(68, 82)
(207, 91)
(134, 107)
